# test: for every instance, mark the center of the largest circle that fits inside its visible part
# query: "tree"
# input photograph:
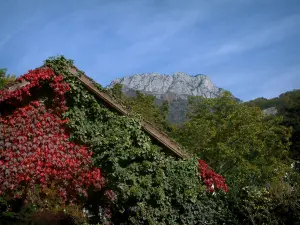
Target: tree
(143, 105)
(5, 78)
(288, 106)
(291, 115)
(250, 149)
(238, 141)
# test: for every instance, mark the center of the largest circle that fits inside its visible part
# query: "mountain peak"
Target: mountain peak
(180, 84)
(174, 88)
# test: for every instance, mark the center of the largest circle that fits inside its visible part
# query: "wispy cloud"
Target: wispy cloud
(15, 31)
(5, 40)
(277, 84)
(245, 39)
(229, 40)
(265, 35)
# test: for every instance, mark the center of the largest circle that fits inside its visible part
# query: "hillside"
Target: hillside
(279, 102)
(287, 105)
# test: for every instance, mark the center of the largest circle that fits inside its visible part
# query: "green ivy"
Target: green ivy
(150, 187)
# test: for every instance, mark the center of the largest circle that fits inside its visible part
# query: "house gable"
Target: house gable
(169, 146)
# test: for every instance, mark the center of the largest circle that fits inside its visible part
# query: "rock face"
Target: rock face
(270, 111)
(179, 85)
(175, 89)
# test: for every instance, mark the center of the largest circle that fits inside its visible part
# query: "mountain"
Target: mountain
(174, 88)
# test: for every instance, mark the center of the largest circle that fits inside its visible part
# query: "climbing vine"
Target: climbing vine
(66, 135)
(35, 150)
(212, 180)
(34, 142)
(143, 184)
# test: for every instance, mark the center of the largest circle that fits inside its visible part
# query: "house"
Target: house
(54, 115)
(161, 139)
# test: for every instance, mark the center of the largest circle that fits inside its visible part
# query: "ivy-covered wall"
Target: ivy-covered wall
(141, 185)
(36, 153)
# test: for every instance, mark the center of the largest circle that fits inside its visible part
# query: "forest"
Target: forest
(243, 165)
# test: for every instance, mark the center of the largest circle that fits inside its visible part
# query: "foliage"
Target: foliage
(251, 150)
(291, 115)
(34, 146)
(36, 79)
(5, 78)
(212, 180)
(143, 105)
(76, 135)
(236, 140)
(143, 186)
(51, 210)
(278, 102)
(35, 150)
(288, 106)
(264, 103)
(278, 204)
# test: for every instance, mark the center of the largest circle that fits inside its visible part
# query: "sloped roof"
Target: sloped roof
(161, 138)
(156, 134)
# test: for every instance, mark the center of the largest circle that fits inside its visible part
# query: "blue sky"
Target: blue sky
(250, 47)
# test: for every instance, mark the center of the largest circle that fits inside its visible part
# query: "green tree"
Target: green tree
(288, 106)
(291, 114)
(250, 149)
(5, 78)
(117, 93)
(238, 141)
(143, 105)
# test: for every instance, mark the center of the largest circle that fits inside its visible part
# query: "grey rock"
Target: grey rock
(179, 85)
(270, 111)
(175, 89)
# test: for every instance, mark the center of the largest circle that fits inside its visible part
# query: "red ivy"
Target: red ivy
(36, 78)
(35, 147)
(211, 179)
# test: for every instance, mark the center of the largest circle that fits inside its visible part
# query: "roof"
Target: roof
(157, 135)
(153, 132)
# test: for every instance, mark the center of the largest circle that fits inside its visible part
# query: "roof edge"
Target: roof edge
(156, 134)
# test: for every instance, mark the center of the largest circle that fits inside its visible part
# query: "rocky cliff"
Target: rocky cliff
(175, 89)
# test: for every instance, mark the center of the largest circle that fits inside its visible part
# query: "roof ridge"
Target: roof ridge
(154, 132)
(89, 83)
